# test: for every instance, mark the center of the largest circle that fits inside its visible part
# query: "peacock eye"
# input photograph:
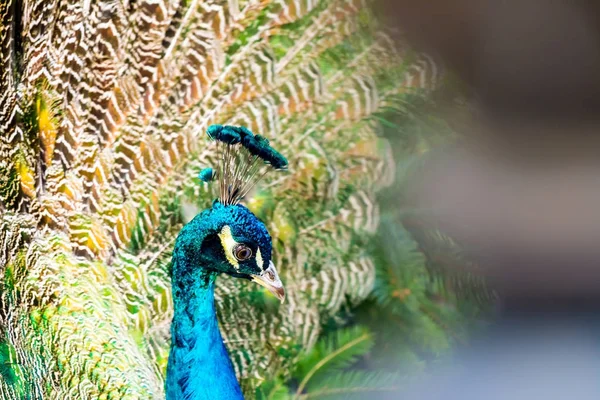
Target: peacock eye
(242, 252)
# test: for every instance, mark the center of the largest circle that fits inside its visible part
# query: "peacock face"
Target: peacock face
(237, 243)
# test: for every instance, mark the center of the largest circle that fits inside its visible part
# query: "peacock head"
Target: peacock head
(228, 238)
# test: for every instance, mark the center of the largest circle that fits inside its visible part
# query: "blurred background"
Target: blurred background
(494, 221)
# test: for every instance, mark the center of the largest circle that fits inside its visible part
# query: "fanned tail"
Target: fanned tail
(103, 104)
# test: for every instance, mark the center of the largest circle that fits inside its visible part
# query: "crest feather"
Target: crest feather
(244, 157)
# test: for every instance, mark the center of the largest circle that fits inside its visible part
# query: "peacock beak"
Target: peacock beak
(269, 278)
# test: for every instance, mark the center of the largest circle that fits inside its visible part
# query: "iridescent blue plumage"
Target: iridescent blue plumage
(199, 366)
(227, 238)
(206, 175)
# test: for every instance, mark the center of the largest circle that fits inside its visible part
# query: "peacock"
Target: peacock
(103, 166)
(227, 238)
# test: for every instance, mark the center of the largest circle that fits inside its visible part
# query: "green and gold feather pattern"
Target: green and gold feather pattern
(103, 110)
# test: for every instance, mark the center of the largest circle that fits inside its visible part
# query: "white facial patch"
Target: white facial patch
(259, 259)
(228, 243)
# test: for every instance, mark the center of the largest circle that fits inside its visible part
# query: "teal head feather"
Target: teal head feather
(226, 238)
(206, 175)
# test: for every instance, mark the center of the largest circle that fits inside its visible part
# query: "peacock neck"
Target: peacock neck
(199, 366)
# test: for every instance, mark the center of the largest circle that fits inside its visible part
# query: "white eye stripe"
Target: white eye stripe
(259, 259)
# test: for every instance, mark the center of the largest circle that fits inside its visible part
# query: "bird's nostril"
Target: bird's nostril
(270, 275)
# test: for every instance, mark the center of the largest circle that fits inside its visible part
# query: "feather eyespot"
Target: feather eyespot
(242, 252)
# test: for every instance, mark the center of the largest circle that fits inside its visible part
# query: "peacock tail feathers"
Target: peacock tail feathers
(103, 108)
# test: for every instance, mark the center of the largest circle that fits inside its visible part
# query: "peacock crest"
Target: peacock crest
(244, 160)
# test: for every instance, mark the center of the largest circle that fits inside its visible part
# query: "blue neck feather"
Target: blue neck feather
(199, 365)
